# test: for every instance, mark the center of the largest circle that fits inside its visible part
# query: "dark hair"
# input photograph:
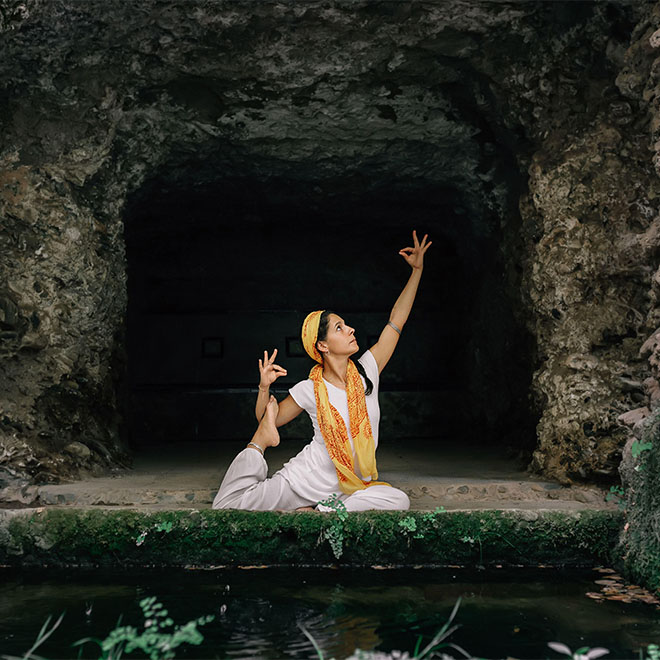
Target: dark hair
(322, 336)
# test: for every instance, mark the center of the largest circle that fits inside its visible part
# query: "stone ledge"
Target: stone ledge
(129, 537)
(452, 493)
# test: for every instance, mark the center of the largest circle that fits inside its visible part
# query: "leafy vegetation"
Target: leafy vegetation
(158, 643)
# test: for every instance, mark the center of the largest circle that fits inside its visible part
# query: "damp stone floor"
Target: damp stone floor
(433, 474)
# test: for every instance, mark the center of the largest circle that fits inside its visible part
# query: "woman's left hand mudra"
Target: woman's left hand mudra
(415, 255)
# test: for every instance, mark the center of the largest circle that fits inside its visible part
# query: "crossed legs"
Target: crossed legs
(375, 497)
(245, 485)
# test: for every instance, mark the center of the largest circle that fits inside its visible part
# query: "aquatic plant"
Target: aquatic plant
(41, 638)
(160, 645)
(583, 653)
(653, 652)
(154, 640)
(431, 649)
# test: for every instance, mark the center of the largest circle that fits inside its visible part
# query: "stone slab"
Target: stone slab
(188, 476)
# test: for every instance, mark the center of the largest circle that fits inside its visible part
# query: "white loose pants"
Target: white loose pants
(245, 486)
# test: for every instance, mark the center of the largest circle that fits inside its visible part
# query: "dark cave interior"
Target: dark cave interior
(187, 181)
(220, 272)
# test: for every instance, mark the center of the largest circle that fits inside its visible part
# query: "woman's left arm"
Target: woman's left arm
(382, 350)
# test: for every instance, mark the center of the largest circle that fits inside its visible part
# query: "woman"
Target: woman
(341, 398)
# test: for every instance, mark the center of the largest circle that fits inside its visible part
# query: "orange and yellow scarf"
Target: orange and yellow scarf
(332, 424)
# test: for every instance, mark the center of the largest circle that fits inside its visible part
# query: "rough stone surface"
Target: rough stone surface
(591, 224)
(639, 543)
(188, 476)
(78, 449)
(538, 119)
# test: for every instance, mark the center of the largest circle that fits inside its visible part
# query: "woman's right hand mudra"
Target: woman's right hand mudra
(270, 372)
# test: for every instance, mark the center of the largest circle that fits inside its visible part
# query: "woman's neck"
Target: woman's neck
(335, 369)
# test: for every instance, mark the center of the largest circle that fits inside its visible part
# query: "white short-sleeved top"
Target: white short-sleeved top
(311, 472)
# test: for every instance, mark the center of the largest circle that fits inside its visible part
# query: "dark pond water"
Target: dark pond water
(503, 612)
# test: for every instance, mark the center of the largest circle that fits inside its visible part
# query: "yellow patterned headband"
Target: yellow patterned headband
(310, 333)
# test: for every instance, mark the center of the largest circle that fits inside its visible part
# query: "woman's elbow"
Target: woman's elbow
(281, 421)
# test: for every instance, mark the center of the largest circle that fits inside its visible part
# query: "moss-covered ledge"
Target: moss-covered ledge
(57, 537)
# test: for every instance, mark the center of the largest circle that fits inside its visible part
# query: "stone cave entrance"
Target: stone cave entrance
(220, 271)
(186, 182)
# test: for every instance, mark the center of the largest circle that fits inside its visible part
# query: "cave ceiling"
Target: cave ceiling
(351, 97)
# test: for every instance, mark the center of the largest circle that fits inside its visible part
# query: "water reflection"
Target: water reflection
(258, 613)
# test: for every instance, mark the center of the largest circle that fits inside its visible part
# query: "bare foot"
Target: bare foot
(305, 508)
(267, 435)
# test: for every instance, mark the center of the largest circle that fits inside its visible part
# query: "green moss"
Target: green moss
(638, 548)
(229, 537)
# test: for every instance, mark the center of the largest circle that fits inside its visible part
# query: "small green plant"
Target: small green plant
(583, 653)
(438, 640)
(160, 645)
(638, 447)
(409, 525)
(472, 540)
(429, 650)
(429, 516)
(164, 526)
(616, 494)
(155, 640)
(41, 638)
(334, 534)
(652, 651)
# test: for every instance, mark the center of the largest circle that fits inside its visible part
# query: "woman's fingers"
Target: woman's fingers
(278, 371)
(415, 238)
(268, 360)
(428, 245)
(267, 365)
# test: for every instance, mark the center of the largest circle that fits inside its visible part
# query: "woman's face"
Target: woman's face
(341, 338)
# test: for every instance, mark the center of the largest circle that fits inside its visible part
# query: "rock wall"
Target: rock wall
(639, 542)
(638, 547)
(546, 103)
(589, 237)
(62, 333)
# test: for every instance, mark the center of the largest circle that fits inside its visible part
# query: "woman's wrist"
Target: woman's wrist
(263, 388)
